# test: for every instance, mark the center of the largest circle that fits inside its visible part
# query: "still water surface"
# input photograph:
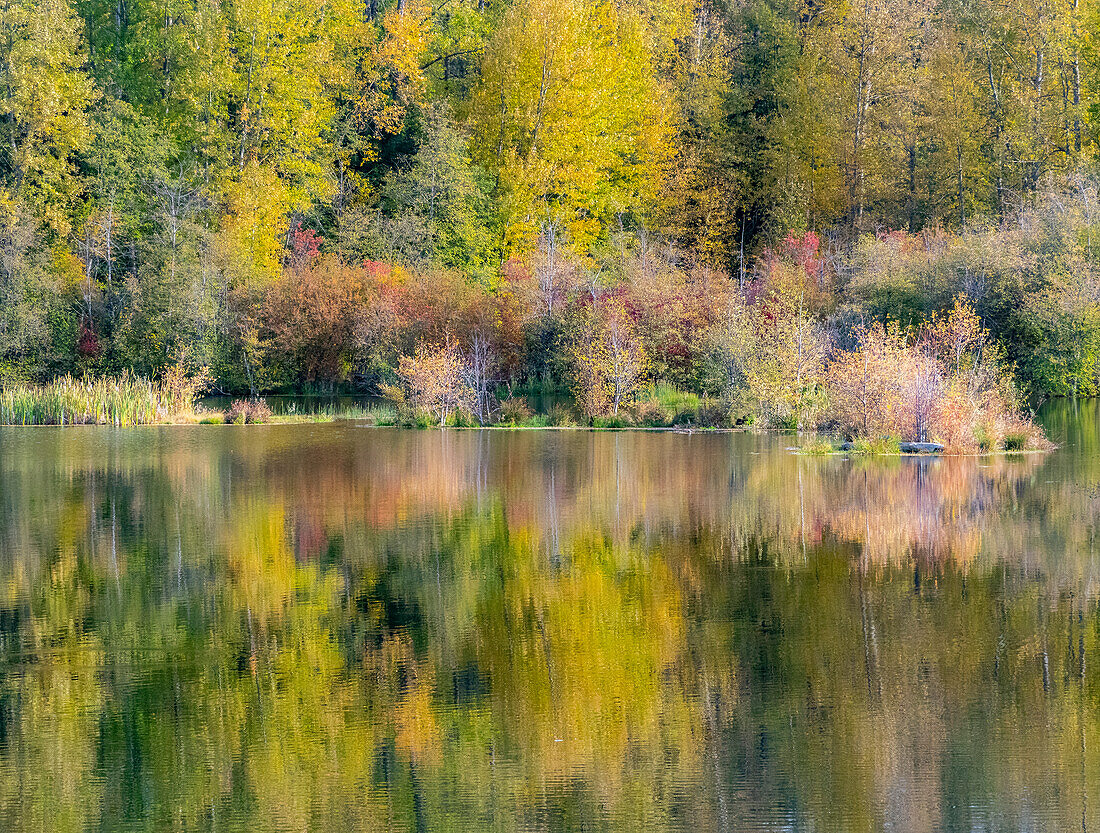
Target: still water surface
(336, 628)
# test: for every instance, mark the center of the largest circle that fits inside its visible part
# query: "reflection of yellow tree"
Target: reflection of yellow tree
(296, 704)
(513, 631)
(47, 776)
(335, 487)
(581, 658)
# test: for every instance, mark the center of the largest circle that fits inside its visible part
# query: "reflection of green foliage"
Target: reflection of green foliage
(198, 635)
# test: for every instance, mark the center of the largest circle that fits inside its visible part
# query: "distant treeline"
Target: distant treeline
(723, 196)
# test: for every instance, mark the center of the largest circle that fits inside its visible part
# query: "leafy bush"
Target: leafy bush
(982, 438)
(662, 405)
(180, 387)
(713, 415)
(683, 418)
(405, 414)
(436, 379)
(422, 419)
(1015, 441)
(608, 357)
(515, 411)
(248, 412)
(561, 416)
(258, 412)
(650, 414)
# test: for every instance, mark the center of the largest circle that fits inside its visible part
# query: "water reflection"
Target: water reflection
(338, 628)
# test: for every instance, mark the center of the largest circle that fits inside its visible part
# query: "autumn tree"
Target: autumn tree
(481, 373)
(957, 332)
(702, 200)
(570, 118)
(868, 386)
(44, 123)
(770, 349)
(435, 379)
(609, 360)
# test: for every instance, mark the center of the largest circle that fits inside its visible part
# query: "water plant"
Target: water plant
(461, 418)
(377, 414)
(615, 422)
(561, 416)
(876, 446)
(818, 446)
(123, 400)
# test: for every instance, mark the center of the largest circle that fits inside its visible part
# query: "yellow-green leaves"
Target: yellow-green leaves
(43, 96)
(610, 362)
(570, 117)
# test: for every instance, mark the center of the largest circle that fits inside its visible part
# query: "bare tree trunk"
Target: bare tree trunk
(962, 194)
(1076, 82)
(998, 143)
(855, 185)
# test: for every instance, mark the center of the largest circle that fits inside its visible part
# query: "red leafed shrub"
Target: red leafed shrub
(803, 251)
(88, 342)
(377, 270)
(305, 246)
(312, 314)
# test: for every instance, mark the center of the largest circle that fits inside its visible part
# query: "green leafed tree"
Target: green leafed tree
(44, 97)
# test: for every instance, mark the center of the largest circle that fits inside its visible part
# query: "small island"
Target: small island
(941, 387)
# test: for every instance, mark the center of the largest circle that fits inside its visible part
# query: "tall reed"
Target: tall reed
(123, 400)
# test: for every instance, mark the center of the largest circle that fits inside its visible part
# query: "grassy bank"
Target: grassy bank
(129, 400)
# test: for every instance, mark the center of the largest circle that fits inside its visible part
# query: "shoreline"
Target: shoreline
(689, 431)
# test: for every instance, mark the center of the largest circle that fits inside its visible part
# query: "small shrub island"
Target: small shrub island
(942, 388)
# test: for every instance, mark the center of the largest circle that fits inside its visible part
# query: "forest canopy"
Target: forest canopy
(298, 196)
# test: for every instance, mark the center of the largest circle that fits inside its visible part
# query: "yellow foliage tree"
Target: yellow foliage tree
(957, 332)
(772, 353)
(43, 119)
(436, 379)
(609, 359)
(571, 118)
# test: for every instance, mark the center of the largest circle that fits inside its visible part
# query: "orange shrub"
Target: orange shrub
(436, 380)
(312, 315)
(888, 387)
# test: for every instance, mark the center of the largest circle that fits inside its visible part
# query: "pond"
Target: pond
(340, 628)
